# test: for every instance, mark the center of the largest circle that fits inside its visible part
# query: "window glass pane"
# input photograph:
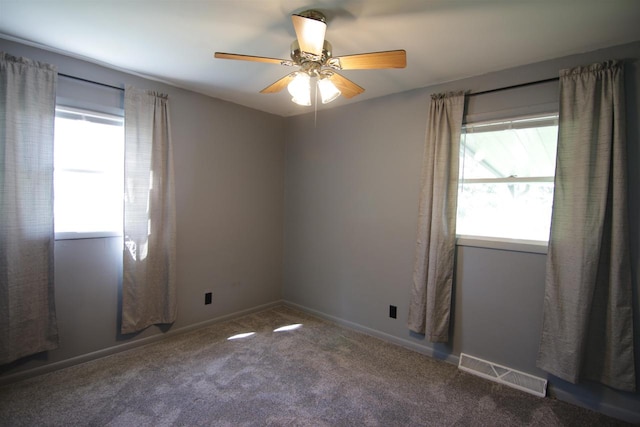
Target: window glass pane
(506, 179)
(519, 152)
(504, 210)
(88, 172)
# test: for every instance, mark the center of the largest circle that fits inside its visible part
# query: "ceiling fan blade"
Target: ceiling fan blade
(310, 33)
(348, 88)
(222, 55)
(279, 85)
(373, 60)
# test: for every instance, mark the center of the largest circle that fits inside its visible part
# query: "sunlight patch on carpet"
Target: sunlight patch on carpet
(291, 327)
(240, 336)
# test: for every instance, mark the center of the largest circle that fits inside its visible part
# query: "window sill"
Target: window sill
(69, 235)
(515, 245)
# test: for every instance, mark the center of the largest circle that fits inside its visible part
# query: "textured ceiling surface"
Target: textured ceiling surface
(174, 40)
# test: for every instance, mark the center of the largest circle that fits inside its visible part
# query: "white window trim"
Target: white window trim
(515, 122)
(497, 243)
(508, 180)
(69, 235)
(89, 114)
(514, 245)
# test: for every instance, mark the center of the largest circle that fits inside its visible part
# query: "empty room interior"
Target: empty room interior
(388, 188)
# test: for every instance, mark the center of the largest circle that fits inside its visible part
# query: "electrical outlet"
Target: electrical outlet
(393, 311)
(208, 296)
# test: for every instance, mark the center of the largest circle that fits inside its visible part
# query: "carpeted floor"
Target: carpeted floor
(316, 375)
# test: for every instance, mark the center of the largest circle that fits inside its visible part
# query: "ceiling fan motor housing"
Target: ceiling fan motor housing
(300, 57)
(313, 14)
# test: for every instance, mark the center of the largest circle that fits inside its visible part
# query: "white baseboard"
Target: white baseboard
(54, 366)
(411, 345)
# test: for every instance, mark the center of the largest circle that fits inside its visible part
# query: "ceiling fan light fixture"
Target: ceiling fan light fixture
(328, 91)
(300, 89)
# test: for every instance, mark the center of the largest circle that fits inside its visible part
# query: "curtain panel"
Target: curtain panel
(588, 321)
(430, 304)
(149, 276)
(27, 113)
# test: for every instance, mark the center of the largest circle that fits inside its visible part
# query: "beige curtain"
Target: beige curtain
(27, 112)
(588, 321)
(430, 304)
(149, 278)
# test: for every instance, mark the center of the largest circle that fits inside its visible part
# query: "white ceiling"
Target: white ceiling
(174, 40)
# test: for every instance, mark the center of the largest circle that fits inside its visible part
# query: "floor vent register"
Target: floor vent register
(503, 375)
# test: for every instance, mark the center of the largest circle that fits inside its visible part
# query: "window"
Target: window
(506, 179)
(88, 173)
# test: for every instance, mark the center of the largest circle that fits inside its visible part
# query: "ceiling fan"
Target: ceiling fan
(313, 55)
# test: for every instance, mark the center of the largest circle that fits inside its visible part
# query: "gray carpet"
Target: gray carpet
(317, 375)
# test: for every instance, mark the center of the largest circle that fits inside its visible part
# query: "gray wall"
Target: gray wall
(229, 168)
(351, 204)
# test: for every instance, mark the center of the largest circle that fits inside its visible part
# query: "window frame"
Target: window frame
(503, 243)
(513, 245)
(99, 117)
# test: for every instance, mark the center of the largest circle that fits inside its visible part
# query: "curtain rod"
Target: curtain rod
(470, 94)
(90, 81)
(514, 86)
